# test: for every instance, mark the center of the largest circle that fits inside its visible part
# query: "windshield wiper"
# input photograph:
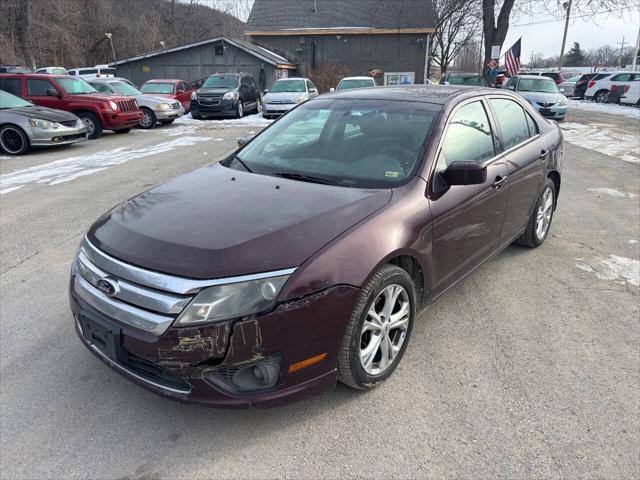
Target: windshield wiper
(303, 177)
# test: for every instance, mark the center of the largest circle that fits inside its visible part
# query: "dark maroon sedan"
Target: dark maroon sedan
(305, 257)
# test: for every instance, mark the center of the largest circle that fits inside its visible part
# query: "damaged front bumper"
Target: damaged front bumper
(205, 364)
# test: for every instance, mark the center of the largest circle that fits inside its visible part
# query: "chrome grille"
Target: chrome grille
(127, 105)
(144, 299)
(175, 105)
(546, 105)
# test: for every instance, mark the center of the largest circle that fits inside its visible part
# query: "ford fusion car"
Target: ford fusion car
(542, 93)
(286, 94)
(24, 125)
(306, 255)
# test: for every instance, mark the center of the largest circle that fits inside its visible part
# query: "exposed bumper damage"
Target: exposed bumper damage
(198, 364)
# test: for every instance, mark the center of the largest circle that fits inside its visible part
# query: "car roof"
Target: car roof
(439, 94)
(293, 78)
(363, 77)
(34, 75)
(536, 77)
(463, 74)
(165, 80)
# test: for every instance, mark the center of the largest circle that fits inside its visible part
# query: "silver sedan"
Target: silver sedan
(24, 125)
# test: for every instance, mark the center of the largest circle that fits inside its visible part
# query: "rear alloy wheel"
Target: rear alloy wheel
(240, 110)
(94, 129)
(540, 220)
(148, 119)
(13, 140)
(378, 332)
(601, 96)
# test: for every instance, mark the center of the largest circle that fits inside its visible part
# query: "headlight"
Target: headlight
(230, 96)
(300, 99)
(113, 105)
(44, 124)
(194, 96)
(164, 106)
(232, 300)
(563, 101)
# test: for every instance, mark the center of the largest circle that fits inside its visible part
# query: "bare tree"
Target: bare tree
(457, 25)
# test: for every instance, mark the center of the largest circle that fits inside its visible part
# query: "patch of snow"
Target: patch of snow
(612, 108)
(179, 130)
(603, 138)
(255, 120)
(5, 158)
(611, 192)
(612, 268)
(633, 242)
(71, 168)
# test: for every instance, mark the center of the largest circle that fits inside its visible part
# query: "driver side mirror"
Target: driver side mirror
(465, 173)
(52, 92)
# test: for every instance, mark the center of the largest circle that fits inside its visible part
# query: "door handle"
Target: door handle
(497, 184)
(543, 154)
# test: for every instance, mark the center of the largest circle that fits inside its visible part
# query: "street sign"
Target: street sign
(493, 64)
(495, 51)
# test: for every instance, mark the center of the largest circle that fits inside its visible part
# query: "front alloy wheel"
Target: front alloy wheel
(13, 140)
(240, 112)
(378, 330)
(384, 330)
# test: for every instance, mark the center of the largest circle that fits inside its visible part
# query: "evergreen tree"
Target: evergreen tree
(575, 57)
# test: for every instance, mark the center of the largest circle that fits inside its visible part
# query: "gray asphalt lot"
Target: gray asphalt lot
(530, 367)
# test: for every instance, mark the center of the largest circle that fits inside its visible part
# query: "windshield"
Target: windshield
(11, 101)
(75, 86)
(475, 81)
(157, 88)
(347, 84)
(125, 89)
(288, 86)
(221, 81)
(544, 85)
(346, 142)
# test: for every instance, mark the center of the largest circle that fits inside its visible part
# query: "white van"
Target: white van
(53, 70)
(91, 73)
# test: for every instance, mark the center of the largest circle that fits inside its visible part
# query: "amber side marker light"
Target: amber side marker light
(306, 363)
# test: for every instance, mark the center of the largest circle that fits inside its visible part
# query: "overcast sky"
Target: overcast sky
(546, 38)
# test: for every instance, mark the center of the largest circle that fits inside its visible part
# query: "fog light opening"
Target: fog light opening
(260, 375)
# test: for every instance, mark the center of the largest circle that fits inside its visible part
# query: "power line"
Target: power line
(554, 20)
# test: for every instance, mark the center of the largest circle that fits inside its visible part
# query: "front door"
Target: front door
(467, 219)
(38, 92)
(519, 134)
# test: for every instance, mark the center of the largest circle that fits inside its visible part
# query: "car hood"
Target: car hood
(217, 222)
(541, 97)
(220, 91)
(148, 99)
(44, 113)
(283, 96)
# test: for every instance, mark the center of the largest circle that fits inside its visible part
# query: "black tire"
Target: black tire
(350, 369)
(167, 122)
(13, 140)
(123, 130)
(149, 119)
(529, 237)
(601, 96)
(94, 129)
(196, 116)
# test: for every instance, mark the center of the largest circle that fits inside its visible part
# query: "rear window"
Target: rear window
(11, 85)
(87, 72)
(476, 81)
(600, 76)
(38, 87)
(157, 87)
(107, 71)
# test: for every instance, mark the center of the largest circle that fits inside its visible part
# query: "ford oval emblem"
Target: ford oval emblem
(108, 286)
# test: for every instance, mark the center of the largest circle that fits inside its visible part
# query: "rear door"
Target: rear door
(467, 219)
(519, 136)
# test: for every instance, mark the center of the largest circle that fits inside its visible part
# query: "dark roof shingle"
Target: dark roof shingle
(270, 15)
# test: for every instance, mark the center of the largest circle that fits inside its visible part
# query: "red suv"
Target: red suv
(63, 92)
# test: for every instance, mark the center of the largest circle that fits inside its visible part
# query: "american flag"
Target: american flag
(512, 59)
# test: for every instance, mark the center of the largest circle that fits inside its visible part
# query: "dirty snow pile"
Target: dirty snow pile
(603, 138)
(611, 108)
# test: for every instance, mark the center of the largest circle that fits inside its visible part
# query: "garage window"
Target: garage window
(219, 50)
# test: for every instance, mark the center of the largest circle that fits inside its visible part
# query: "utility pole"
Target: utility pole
(620, 54)
(636, 51)
(567, 7)
(109, 35)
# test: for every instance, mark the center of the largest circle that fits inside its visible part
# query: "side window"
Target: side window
(250, 81)
(11, 85)
(623, 77)
(244, 82)
(101, 87)
(533, 126)
(310, 85)
(38, 87)
(468, 137)
(512, 122)
(184, 86)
